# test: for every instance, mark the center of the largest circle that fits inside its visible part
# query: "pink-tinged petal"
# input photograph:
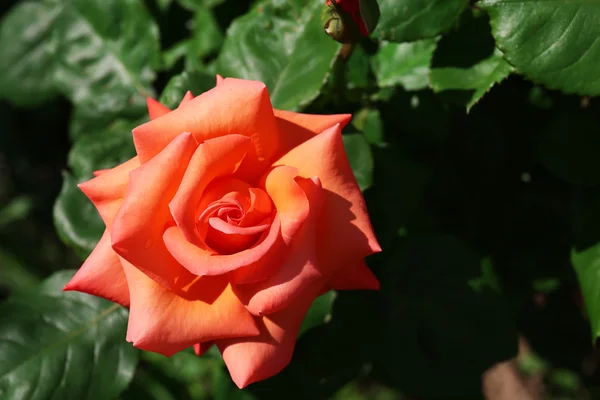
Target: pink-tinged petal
(258, 259)
(253, 359)
(156, 109)
(220, 79)
(164, 322)
(229, 239)
(102, 274)
(108, 189)
(212, 159)
(355, 277)
(297, 272)
(344, 227)
(234, 107)
(100, 171)
(297, 128)
(139, 225)
(201, 348)
(186, 98)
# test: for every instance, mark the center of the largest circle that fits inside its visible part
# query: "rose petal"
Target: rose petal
(138, 227)
(108, 189)
(234, 107)
(345, 232)
(212, 159)
(230, 239)
(297, 128)
(201, 348)
(186, 98)
(201, 262)
(220, 79)
(156, 109)
(297, 272)
(102, 274)
(163, 322)
(355, 277)
(253, 359)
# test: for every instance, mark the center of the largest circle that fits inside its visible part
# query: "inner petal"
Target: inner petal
(226, 238)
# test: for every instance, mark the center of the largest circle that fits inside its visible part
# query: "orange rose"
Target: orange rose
(227, 224)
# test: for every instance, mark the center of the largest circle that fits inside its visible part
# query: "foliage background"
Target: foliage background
(475, 139)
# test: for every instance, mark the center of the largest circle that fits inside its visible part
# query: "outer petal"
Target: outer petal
(201, 348)
(345, 232)
(234, 107)
(355, 277)
(139, 225)
(253, 359)
(220, 79)
(156, 109)
(108, 189)
(102, 274)
(298, 271)
(186, 98)
(163, 322)
(212, 159)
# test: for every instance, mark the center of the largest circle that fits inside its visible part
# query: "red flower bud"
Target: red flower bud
(346, 20)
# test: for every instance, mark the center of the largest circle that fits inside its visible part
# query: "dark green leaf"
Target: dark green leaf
(283, 45)
(550, 42)
(358, 69)
(409, 20)
(63, 345)
(196, 82)
(480, 78)
(77, 222)
(198, 4)
(368, 121)
(361, 159)
(26, 49)
(587, 266)
(319, 312)
(103, 149)
(105, 47)
(404, 64)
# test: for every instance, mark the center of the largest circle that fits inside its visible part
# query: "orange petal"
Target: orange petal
(297, 272)
(108, 189)
(253, 359)
(102, 274)
(345, 232)
(201, 262)
(156, 109)
(355, 277)
(212, 159)
(186, 98)
(234, 107)
(138, 227)
(163, 322)
(297, 128)
(220, 79)
(100, 171)
(201, 348)
(229, 239)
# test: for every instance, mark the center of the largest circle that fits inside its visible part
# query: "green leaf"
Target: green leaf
(198, 4)
(105, 47)
(207, 37)
(283, 45)
(368, 121)
(587, 266)
(404, 64)
(105, 148)
(358, 69)
(77, 222)
(479, 78)
(194, 81)
(26, 49)
(550, 42)
(361, 159)
(319, 312)
(410, 20)
(63, 345)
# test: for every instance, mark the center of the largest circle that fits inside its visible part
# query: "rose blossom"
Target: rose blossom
(232, 218)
